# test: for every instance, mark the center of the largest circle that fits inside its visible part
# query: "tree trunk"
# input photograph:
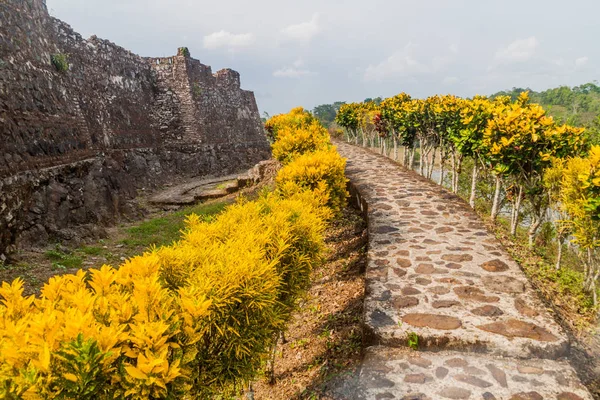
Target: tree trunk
(496, 203)
(473, 185)
(559, 251)
(271, 371)
(516, 212)
(432, 165)
(592, 272)
(457, 163)
(442, 163)
(421, 158)
(411, 161)
(250, 392)
(396, 149)
(533, 228)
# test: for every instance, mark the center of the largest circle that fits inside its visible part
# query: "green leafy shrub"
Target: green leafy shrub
(60, 62)
(183, 51)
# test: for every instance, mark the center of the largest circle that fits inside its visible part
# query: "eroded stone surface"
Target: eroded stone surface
(444, 277)
(450, 375)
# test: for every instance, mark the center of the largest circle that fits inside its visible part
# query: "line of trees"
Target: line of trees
(537, 163)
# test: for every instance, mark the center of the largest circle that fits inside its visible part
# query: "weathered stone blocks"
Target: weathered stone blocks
(76, 146)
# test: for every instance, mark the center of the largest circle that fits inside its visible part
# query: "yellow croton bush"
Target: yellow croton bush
(195, 319)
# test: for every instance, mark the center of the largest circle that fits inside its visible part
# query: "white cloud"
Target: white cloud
(581, 61)
(453, 48)
(291, 72)
(400, 64)
(228, 40)
(295, 71)
(304, 31)
(450, 80)
(519, 50)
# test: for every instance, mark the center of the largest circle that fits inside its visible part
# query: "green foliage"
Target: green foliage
(196, 89)
(62, 260)
(163, 231)
(412, 340)
(91, 250)
(60, 62)
(82, 375)
(183, 51)
(326, 113)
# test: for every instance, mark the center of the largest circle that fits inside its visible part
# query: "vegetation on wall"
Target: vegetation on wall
(60, 62)
(183, 51)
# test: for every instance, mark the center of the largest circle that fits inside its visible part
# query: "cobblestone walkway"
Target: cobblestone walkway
(435, 273)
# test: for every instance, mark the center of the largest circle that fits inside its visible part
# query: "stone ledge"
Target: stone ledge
(404, 374)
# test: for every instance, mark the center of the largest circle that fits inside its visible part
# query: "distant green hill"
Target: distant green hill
(579, 105)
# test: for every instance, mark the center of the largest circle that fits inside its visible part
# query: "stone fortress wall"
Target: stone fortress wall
(76, 146)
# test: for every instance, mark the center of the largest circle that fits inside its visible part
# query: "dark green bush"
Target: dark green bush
(60, 62)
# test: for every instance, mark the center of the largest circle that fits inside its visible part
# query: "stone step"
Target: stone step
(391, 373)
(196, 190)
(435, 272)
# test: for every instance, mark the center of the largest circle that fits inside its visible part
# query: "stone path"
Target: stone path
(436, 275)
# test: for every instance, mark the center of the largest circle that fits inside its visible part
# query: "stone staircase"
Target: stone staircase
(438, 279)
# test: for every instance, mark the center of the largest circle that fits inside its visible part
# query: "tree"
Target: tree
(522, 140)
(475, 115)
(580, 200)
(326, 113)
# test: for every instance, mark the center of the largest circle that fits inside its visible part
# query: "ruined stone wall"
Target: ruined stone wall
(75, 146)
(206, 107)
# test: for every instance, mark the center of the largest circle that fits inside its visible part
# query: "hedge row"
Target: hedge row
(196, 319)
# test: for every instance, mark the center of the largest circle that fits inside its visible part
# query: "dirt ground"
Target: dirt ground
(324, 338)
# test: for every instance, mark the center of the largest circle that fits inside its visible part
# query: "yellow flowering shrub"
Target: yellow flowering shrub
(297, 118)
(321, 172)
(293, 142)
(191, 320)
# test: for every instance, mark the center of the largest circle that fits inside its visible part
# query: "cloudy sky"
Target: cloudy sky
(312, 52)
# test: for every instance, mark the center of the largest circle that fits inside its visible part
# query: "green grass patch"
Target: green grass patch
(165, 230)
(91, 250)
(61, 260)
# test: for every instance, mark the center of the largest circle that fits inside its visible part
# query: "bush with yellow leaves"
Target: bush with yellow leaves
(297, 118)
(293, 142)
(187, 320)
(321, 172)
(196, 319)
